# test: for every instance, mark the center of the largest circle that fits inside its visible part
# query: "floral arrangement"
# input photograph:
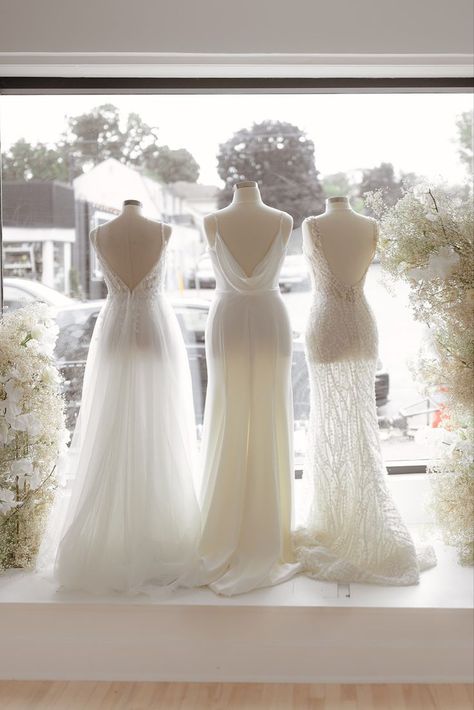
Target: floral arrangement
(32, 430)
(427, 240)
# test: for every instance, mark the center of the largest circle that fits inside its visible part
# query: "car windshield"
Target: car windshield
(40, 292)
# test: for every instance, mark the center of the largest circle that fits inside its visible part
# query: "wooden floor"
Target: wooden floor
(213, 696)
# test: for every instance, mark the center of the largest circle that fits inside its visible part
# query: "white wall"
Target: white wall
(242, 26)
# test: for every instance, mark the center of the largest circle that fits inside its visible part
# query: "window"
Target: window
(68, 166)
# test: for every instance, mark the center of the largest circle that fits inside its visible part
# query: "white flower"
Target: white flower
(34, 345)
(441, 264)
(7, 500)
(38, 331)
(4, 428)
(50, 375)
(34, 480)
(12, 410)
(28, 422)
(444, 262)
(14, 392)
(21, 468)
(418, 274)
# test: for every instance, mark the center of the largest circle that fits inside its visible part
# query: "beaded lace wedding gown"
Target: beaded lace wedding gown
(353, 531)
(247, 461)
(125, 513)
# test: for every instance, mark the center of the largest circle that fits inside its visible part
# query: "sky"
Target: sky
(415, 132)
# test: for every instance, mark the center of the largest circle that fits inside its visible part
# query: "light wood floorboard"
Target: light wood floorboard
(22, 695)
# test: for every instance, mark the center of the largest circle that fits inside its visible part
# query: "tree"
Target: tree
(171, 165)
(96, 136)
(382, 178)
(465, 139)
(93, 137)
(340, 185)
(280, 157)
(25, 161)
(337, 185)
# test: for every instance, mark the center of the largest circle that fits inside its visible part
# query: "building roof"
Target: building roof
(193, 190)
(110, 183)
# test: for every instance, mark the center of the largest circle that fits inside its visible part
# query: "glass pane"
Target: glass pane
(69, 162)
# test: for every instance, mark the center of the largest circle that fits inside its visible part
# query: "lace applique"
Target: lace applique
(353, 531)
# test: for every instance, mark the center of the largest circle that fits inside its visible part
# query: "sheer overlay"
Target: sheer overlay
(353, 531)
(125, 512)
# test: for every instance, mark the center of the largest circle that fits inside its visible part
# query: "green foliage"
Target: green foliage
(93, 137)
(25, 161)
(464, 125)
(280, 157)
(22, 528)
(170, 166)
(339, 185)
(381, 178)
(427, 240)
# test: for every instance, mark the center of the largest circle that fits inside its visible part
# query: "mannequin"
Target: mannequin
(348, 239)
(248, 226)
(131, 244)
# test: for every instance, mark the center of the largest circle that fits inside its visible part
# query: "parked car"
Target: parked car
(73, 346)
(74, 337)
(293, 273)
(18, 292)
(203, 275)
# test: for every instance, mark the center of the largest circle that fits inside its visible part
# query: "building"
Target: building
(47, 224)
(39, 231)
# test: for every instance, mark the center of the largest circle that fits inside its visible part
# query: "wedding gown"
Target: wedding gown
(247, 461)
(125, 513)
(353, 531)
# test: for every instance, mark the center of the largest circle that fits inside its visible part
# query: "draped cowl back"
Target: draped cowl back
(247, 456)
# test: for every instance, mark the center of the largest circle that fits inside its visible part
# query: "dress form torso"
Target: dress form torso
(131, 244)
(247, 458)
(353, 531)
(348, 239)
(249, 227)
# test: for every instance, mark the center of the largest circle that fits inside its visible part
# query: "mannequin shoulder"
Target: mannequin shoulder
(309, 226)
(209, 224)
(286, 221)
(372, 227)
(93, 235)
(167, 230)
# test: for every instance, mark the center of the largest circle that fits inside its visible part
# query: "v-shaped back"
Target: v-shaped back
(322, 274)
(340, 325)
(151, 282)
(230, 276)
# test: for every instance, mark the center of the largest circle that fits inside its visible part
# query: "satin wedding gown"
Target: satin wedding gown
(125, 514)
(353, 531)
(247, 461)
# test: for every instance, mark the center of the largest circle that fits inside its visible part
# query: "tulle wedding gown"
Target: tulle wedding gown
(247, 461)
(125, 514)
(353, 531)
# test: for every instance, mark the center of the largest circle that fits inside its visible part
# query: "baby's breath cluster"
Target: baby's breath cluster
(427, 240)
(32, 430)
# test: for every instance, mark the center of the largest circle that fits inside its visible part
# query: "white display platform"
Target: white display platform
(300, 631)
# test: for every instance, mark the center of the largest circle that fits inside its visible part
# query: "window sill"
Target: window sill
(300, 631)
